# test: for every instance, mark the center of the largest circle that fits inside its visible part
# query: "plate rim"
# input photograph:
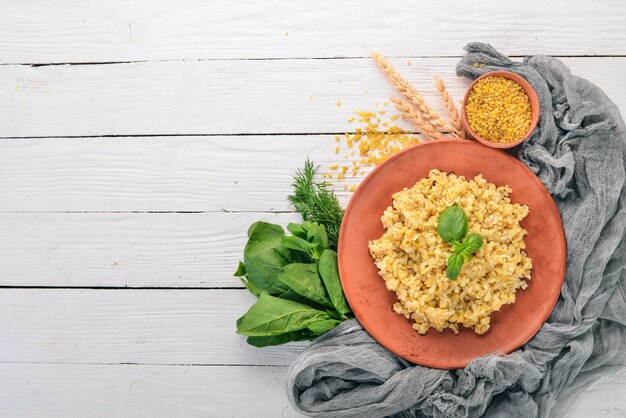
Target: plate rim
(524, 338)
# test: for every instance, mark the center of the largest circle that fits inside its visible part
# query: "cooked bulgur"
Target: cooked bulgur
(412, 258)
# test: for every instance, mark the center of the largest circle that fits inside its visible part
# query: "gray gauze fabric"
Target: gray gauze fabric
(578, 152)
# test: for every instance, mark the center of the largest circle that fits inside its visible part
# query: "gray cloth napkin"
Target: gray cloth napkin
(578, 151)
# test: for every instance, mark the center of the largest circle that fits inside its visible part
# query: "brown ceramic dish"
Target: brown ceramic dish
(534, 109)
(370, 300)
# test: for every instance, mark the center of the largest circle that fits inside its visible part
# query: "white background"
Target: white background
(138, 141)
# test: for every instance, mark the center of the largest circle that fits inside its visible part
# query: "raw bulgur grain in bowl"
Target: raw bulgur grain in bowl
(500, 109)
(412, 258)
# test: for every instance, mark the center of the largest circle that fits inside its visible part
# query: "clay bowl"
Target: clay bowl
(534, 109)
(370, 300)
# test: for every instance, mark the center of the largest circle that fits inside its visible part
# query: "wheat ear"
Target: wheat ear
(411, 93)
(409, 113)
(453, 113)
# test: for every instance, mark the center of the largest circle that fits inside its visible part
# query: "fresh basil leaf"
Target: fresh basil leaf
(470, 245)
(287, 337)
(305, 281)
(322, 327)
(241, 269)
(299, 244)
(452, 224)
(272, 316)
(329, 272)
(455, 263)
(265, 257)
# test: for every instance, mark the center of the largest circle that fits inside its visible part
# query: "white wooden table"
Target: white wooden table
(140, 139)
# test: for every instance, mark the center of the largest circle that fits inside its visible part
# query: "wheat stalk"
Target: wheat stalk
(407, 111)
(411, 93)
(453, 113)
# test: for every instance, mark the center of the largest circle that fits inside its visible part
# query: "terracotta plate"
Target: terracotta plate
(370, 300)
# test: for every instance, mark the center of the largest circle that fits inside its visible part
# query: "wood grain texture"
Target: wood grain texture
(99, 391)
(249, 173)
(126, 249)
(78, 390)
(602, 397)
(208, 69)
(130, 326)
(227, 97)
(45, 31)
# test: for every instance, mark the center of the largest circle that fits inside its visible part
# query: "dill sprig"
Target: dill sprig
(316, 203)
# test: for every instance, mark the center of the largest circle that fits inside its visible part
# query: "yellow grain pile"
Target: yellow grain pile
(374, 140)
(498, 109)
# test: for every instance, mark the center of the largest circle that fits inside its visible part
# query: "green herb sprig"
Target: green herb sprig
(452, 226)
(316, 203)
(296, 279)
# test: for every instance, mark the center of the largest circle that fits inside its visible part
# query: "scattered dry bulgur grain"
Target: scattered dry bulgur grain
(498, 109)
(338, 104)
(337, 149)
(374, 141)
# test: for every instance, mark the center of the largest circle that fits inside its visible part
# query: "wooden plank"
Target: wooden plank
(130, 326)
(226, 97)
(126, 249)
(166, 174)
(77, 390)
(48, 31)
(249, 173)
(603, 398)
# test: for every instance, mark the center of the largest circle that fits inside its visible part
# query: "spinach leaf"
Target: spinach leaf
(309, 237)
(251, 287)
(305, 281)
(299, 244)
(297, 230)
(316, 233)
(292, 295)
(455, 263)
(241, 273)
(265, 257)
(321, 327)
(272, 316)
(241, 269)
(329, 272)
(452, 224)
(287, 337)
